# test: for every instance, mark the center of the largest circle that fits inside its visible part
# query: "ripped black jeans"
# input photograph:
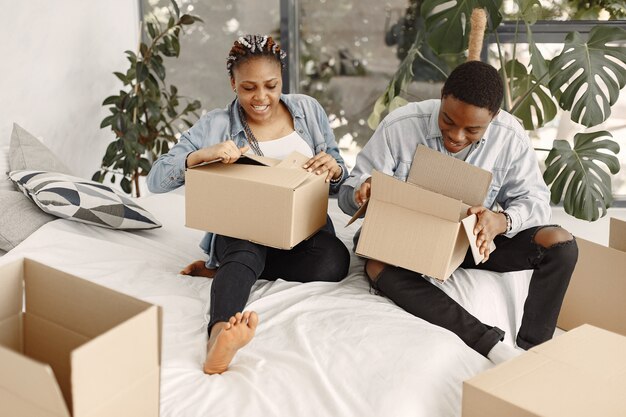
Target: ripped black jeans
(322, 257)
(552, 267)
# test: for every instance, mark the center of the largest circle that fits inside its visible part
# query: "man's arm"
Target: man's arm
(376, 154)
(524, 194)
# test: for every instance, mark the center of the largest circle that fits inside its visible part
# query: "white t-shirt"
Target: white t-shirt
(281, 147)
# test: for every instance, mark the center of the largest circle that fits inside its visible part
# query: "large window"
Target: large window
(200, 70)
(349, 50)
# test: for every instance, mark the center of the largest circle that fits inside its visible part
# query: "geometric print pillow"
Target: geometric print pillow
(81, 200)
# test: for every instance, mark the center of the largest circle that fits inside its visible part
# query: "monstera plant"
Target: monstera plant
(585, 78)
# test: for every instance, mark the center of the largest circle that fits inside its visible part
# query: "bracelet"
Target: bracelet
(509, 223)
(338, 180)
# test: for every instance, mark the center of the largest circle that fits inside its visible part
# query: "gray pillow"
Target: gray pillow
(27, 152)
(83, 201)
(19, 217)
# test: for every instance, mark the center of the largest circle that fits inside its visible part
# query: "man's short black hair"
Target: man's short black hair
(475, 83)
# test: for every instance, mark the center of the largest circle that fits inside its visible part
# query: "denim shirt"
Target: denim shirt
(505, 150)
(309, 120)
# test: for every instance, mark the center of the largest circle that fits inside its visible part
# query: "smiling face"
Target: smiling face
(461, 124)
(258, 82)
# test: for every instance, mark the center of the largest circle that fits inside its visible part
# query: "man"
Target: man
(467, 123)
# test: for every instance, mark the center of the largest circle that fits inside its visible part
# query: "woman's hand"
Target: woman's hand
(323, 163)
(226, 151)
(488, 225)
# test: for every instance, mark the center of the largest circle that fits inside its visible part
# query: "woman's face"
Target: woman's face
(258, 83)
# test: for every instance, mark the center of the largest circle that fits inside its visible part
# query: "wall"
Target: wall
(56, 68)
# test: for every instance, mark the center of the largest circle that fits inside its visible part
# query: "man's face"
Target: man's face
(461, 124)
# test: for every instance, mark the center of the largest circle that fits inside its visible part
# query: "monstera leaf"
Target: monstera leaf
(597, 59)
(529, 96)
(448, 23)
(576, 176)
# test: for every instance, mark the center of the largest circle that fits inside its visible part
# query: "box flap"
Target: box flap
(246, 159)
(11, 289)
(294, 160)
(119, 358)
(280, 177)
(410, 196)
(581, 348)
(94, 309)
(468, 226)
(617, 234)
(449, 176)
(360, 212)
(597, 290)
(29, 384)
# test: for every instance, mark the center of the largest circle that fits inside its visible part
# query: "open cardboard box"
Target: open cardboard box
(69, 347)
(597, 290)
(422, 224)
(275, 203)
(581, 373)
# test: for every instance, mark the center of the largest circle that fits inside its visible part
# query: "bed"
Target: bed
(321, 349)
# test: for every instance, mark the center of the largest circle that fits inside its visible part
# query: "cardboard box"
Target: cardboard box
(275, 203)
(422, 224)
(579, 374)
(69, 347)
(597, 290)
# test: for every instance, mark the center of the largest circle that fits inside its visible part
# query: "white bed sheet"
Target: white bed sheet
(321, 349)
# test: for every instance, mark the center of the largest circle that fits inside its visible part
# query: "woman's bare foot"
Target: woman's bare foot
(232, 336)
(198, 269)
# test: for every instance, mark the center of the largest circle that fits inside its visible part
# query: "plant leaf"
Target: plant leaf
(530, 10)
(125, 183)
(539, 103)
(577, 179)
(448, 23)
(591, 61)
(176, 9)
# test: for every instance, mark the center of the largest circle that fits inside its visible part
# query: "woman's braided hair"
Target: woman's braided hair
(253, 46)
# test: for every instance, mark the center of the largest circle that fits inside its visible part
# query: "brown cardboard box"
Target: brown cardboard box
(581, 373)
(69, 347)
(597, 290)
(422, 224)
(275, 203)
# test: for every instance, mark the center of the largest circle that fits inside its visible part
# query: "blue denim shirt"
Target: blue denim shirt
(309, 120)
(505, 150)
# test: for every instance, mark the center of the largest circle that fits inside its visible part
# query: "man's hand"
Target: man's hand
(363, 193)
(489, 224)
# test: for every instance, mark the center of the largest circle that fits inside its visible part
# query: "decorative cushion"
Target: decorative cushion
(18, 219)
(5, 183)
(81, 200)
(27, 152)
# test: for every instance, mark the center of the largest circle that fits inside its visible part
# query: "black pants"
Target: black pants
(552, 267)
(322, 257)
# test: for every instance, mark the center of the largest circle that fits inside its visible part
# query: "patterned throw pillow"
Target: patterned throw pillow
(81, 200)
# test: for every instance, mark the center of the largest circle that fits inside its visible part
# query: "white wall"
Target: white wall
(56, 67)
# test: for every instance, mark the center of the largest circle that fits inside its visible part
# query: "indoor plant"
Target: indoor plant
(143, 114)
(576, 175)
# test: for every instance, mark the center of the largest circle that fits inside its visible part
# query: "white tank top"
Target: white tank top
(281, 147)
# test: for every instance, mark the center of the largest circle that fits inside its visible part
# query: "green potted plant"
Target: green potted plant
(576, 175)
(144, 112)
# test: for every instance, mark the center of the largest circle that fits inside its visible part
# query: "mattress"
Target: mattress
(321, 349)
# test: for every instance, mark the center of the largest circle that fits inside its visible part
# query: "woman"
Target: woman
(263, 121)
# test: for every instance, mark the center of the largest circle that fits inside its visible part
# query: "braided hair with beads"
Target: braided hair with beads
(245, 48)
